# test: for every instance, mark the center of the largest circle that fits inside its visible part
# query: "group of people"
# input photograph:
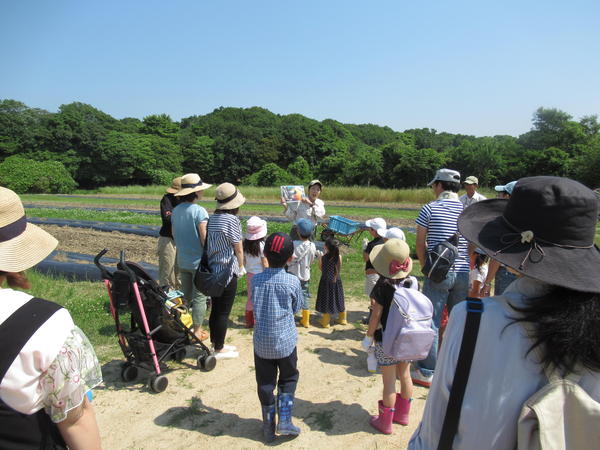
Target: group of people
(545, 323)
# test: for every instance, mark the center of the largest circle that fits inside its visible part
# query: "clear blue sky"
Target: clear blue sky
(473, 67)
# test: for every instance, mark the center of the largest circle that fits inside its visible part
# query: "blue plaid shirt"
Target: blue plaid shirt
(276, 296)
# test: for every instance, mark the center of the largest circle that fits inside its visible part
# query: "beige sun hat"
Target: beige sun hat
(175, 186)
(22, 244)
(392, 259)
(191, 182)
(228, 196)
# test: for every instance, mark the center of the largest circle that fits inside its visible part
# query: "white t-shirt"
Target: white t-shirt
(254, 263)
(466, 201)
(301, 210)
(478, 274)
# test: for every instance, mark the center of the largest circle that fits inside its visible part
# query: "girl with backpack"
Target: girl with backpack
(392, 261)
(330, 297)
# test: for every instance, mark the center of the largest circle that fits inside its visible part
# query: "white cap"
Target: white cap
(392, 233)
(377, 223)
(445, 175)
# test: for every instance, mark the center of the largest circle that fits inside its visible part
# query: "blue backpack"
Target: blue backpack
(408, 334)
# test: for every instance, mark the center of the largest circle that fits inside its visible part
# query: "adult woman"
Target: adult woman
(545, 231)
(311, 208)
(225, 252)
(189, 232)
(51, 367)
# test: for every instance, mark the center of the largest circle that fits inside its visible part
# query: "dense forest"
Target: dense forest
(82, 146)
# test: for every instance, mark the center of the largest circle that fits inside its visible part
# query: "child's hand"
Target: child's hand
(364, 244)
(367, 342)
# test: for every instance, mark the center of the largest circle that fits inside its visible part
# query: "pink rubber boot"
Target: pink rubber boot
(383, 422)
(401, 410)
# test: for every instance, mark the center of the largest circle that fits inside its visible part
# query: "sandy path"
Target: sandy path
(220, 409)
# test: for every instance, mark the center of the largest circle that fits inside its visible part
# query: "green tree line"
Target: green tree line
(256, 146)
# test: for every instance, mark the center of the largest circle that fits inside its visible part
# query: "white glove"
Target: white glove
(366, 343)
(364, 244)
(241, 272)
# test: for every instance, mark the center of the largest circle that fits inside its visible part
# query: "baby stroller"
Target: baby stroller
(156, 332)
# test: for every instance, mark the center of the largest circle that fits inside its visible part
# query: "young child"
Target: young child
(393, 263)
(374, 226)
(305, 253)
(478, 273)
(330, 298)
(254, 259)
(277, 297)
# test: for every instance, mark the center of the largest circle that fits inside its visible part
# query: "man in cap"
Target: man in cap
(167, 266)
(472, 196)
(437, 222)
(311, 207)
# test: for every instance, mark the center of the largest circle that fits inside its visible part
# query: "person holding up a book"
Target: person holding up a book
(311, 207)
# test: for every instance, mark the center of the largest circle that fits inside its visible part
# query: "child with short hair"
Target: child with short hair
(254, 259)
(478, 273)
(305, 253)
(277, 297)
(330, 298)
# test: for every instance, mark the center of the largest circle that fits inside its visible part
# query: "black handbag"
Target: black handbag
(209, 283)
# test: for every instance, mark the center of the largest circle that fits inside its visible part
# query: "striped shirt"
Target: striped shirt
(440, 218)
(276, 296)
(223, 230)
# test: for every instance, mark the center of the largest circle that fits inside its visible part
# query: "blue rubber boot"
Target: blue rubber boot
(268, 413)
(285, 405)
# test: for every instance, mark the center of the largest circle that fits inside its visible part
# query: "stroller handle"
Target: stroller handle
(103, 270)
(124, 266)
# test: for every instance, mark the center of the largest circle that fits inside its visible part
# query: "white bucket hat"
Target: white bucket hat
(228, 197)
(191, 182)
(377, 224)
(256, 228)
(22, 244)
(392, 233)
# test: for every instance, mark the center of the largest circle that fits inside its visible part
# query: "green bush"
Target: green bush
(161, 176)
(271, 175)
(26, 175)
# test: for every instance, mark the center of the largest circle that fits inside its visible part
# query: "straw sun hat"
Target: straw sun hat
(175, 186)
(191, 182)
(392, 259)
(228, 196)
(22, 244)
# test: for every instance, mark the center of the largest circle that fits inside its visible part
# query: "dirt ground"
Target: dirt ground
(220, 409)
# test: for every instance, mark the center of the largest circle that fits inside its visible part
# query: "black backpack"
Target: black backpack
(440, 259)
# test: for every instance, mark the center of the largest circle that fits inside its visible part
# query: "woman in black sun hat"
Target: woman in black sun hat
(547, 321)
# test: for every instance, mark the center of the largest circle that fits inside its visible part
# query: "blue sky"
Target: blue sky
(473, 67)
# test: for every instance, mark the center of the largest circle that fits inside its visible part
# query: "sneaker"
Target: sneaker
(419, 379)
(227, 348)
(226, 354)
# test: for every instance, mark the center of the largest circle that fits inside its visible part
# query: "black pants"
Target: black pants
(266, 376)
(219, 314)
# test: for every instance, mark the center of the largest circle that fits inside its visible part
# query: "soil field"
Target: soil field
(220, 409)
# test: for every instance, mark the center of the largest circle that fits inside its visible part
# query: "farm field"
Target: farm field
(220, 409)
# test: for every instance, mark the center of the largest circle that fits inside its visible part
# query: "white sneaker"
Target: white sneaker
(227, 354)
(419, 379)
(230, 348)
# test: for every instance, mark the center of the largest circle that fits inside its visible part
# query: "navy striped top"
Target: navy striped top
(440, 217)
(223, 231)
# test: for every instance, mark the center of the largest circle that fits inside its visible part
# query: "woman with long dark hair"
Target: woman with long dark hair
(547, 320)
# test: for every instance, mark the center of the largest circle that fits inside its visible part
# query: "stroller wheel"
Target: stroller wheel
(180, 355)
(206, 362)
(158, 383)
(129, 372)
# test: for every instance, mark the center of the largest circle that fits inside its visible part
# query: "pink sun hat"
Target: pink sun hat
(256, 228)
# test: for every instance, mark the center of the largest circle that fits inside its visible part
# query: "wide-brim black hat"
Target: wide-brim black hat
(545, 231)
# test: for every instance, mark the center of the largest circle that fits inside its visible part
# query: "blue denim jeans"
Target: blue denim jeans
(502, 280)
(193, 297)
(451, 291)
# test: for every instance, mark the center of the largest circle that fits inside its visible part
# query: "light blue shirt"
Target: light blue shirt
(185, 220)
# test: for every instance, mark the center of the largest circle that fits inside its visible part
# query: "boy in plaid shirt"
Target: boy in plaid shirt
(276, 296)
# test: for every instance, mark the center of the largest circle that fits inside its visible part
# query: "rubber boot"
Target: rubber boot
(268, 413)
(285, 405)
(342, 318)
(325, 319)
(305, 321)
(401, 410)
(249, 319)
(383, 422)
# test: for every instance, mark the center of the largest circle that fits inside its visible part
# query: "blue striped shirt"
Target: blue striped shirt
(276, 296)
(440, 218)
(222, 231)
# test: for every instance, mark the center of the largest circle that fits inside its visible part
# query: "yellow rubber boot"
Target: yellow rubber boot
(325, 319)
(305, 321)
(342, 318)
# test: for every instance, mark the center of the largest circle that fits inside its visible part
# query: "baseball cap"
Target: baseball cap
(305, 227)
(392, 233)
(508, 187)
(280, 245)
(471, 180)
(445, 175)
